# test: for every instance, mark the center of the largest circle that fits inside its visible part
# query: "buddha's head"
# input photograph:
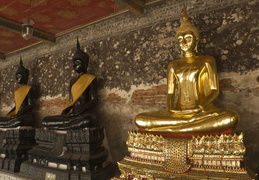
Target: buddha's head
(22, 74)
(188, 35)
(80, 60)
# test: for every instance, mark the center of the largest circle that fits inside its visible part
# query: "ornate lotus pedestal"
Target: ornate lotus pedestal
(163, 156)
(14, 144)
(75, 154)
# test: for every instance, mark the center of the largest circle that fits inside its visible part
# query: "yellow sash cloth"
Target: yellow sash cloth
(19, 96)
(79, 87)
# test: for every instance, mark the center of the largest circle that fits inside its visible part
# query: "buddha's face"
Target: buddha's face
(20, 78)
(187, 41)
(78, 66)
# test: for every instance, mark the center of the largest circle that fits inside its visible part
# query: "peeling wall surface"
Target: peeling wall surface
(130, 54)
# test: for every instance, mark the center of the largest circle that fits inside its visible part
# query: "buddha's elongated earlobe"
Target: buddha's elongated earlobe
(196, 48)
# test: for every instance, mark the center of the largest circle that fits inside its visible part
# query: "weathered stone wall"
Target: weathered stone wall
(130, 54)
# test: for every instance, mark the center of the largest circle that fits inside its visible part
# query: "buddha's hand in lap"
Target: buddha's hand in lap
(69, 115)
(13, 117)
(188, 111)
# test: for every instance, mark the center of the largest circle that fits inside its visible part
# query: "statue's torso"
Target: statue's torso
(188, 81)
(24, 104)
(27, 98)
(84, 98)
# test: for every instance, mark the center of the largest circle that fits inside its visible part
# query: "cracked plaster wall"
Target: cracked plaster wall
(130, 54)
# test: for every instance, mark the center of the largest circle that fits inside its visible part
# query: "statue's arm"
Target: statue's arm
(170, 87)
(30, 97)
(213, 92)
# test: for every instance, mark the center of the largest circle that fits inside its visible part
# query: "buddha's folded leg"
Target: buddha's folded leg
(215, 122)
(159, 119)
(7, 122)
(23, 120)
(81, 121)
(3, 121)
(73, 122)
(77, 124)
(13, 123)
(53, 121)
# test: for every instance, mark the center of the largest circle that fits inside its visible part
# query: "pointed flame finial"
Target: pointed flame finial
(185, 15)
(21, 63)
(78, 44)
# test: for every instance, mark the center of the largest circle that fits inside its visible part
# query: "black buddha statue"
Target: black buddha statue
(20, 115)
(78, 113)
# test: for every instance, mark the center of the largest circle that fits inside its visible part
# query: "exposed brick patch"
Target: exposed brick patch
(226, 85)
(155, 96)
(115, 99)
(54, 103)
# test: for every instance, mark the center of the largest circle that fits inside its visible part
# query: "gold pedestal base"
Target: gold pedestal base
(206, 157)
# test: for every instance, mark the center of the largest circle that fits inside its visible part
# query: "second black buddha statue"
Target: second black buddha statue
(20, 115)
(78, 113)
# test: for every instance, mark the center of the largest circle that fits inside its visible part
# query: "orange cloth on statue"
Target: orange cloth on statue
(19, 96)
(79, 87)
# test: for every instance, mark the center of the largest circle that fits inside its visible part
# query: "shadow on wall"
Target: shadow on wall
(252, 146)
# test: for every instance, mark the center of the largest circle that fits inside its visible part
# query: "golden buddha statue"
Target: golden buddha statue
(192, 86)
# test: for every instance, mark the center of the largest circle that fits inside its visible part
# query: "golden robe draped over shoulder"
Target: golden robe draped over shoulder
(79, 87)
(19, 96)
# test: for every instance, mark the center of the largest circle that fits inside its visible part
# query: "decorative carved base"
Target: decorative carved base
(7, 175)
(154, 156)
(15, 142)
(75, 154)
